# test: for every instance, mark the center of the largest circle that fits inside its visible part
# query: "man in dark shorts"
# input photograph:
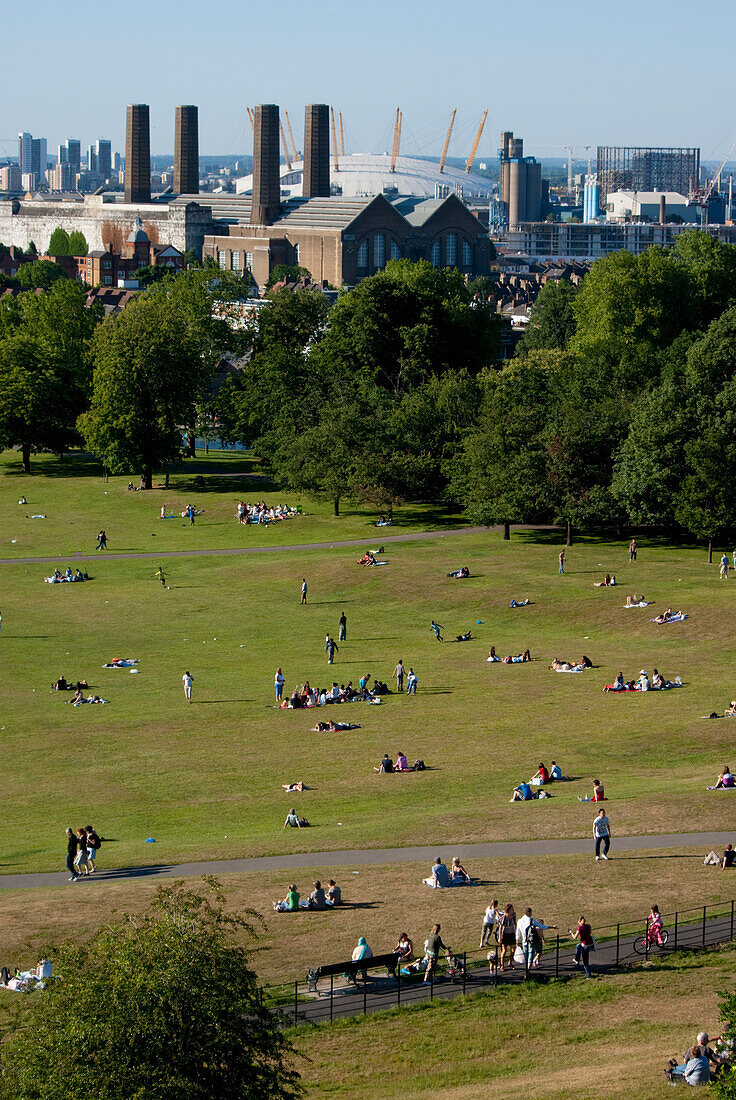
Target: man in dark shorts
(71, 852)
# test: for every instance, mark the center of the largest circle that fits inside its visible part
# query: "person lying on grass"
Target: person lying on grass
(566, 666)
(607, 582)
(666, 616)
(460, 574)
(520, 603)
(464, 637)
(299, 786)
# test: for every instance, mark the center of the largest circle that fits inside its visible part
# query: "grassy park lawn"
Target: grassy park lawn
(610, 1037)
(205, 780)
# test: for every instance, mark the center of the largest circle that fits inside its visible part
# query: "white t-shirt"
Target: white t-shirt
(278, 679)
(490, 916)
(187, 680)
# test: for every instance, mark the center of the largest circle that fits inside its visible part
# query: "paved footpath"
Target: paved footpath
(364, 857)
(410, 536)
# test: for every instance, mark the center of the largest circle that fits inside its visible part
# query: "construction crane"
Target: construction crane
(716, 177)
(334, 140)
(446, 146)
(251, 118)
(285, 147)
(397, 140)
(342, 136)
(476, 143)
(291, 136)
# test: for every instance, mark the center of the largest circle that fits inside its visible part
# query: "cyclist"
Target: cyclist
(654, 926)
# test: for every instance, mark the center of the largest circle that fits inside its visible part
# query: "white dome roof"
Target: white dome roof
(370, 174)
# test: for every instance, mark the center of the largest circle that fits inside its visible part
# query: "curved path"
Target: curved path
(410, 536)
(363, 857)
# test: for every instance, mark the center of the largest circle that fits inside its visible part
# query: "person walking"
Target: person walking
(584, 935)
(187, 680)
(632, 550)
(561, 560)
(602, 834)
(724, 567)
(490, 920)
(159, 574)
(433, 946)
(436, 628)
(411, 683)
(304, 590)
(331, 648)
(278, 683)
(80, 860)
(342, 632)
(71, 854)
(398, 675)
(94, 843)
(102, 541)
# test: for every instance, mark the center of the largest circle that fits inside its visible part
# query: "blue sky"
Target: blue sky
(579, 73)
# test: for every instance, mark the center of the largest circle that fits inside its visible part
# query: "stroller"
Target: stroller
(455, 968)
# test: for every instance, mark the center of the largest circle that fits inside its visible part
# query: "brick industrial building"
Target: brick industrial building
(338, 240)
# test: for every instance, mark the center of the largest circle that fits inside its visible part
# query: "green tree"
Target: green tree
(59, 244)
(39, 274)
(165, 1005)
(77, 243)
(408, 322)
(45, 368)
(152, 362)
(552, 320)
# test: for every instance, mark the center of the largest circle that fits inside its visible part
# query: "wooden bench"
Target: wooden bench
(352, 968)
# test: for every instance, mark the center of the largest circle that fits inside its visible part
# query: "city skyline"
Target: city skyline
(557, 78)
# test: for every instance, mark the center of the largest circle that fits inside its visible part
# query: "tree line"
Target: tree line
(617, 408)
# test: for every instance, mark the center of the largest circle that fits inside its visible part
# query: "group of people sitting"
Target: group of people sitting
(726, 861)
(701, 1063)
(524, 792)
(25, 981)
(387, 765)
(512, 659)
(69, 574)
(460, 574)
(643, 683)
(261, 513)
(369, 558)
(636, 601)
(568, 666)
(440, 877)
(318, 899)
(383, 522)
(307, 696)
(63, 684)
(608, 582)
(669, 616)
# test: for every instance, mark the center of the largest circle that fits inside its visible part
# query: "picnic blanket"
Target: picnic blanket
(64, 580)
(122, 662)
(575, 668)
(641, 603)
(678, 617)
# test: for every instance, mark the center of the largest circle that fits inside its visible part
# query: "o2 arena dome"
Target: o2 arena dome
(364, 174)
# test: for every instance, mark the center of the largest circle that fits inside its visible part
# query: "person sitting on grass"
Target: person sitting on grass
(560, 666)
(60, 685)
(404, 948)
(540, 776)
(598, 794)
(317, 899)
(665, 616)
(604, 583)
(492, 655)
(695, 1071)
(294, 821)
(290, 904)
(458, 875)
(731, 708)
(522, 793)
(334, 893)
(728, 858)
(439, 876)
(635, 601)
(725, 780)
(402, 764)
(459, 574)
(555, 771)
(386, 766)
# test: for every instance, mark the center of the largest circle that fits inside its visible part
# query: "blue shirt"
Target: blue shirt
(441, 874)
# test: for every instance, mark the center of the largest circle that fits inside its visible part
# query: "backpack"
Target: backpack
(419, 766)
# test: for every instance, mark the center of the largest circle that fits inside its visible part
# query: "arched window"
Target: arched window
(379, 250)
(451, 250)
(296, 253)
(395, 250)
(435, 255)
(467, 254)
(363, 255)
